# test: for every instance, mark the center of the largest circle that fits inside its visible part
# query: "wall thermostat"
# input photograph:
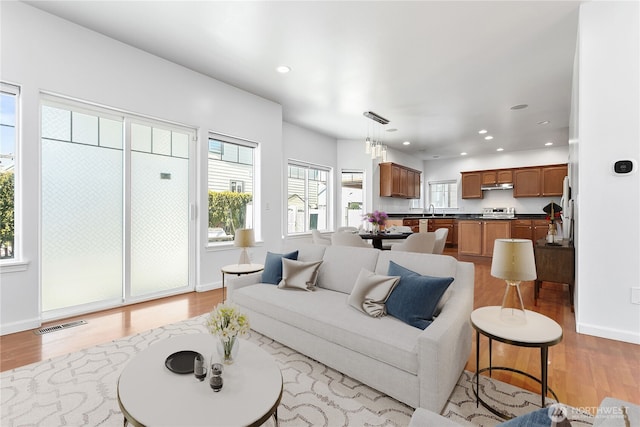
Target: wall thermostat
(622, 167)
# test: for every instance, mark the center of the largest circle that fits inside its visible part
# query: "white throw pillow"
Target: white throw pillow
(371, 292)
(299, 274)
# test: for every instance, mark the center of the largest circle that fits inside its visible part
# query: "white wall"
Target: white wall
(42, 52)
(608, 206)
(449, 169)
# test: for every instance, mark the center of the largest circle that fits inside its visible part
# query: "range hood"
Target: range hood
(507, 186)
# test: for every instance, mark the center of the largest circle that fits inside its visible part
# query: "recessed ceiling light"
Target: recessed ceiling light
(519, 107)
(482, 131)
(463, 153)
(406, 143)
(488, 137)
(548, 143)
(283, 69)
(544, 122)
(392, 130)
(500, 149)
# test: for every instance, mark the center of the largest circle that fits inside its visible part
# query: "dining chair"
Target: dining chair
(348, 239)
(417, 242)
(319, 239)
(441, 240)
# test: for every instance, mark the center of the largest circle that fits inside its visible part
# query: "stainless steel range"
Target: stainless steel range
(498, 213)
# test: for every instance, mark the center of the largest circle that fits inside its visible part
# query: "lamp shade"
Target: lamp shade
(244, 238)
(513, 260)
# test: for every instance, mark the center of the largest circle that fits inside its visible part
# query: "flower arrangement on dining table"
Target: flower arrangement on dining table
(377, 219)
(227, 322)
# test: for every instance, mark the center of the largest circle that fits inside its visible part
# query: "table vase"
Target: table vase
(228, 349)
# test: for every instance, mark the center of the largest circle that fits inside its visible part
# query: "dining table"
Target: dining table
(377, 238)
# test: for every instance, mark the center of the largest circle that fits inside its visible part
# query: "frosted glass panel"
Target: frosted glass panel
(159, 223)
(110, 133)
(140, 138)
(162, 141)
(56, 123)
(180, 145)
(81, 224)
(84, 128)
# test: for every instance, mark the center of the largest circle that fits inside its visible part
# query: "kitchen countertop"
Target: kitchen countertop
(464, 216)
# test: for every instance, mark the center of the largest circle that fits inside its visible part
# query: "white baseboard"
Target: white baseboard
(23, 325)
(612, 334)
(208, 286)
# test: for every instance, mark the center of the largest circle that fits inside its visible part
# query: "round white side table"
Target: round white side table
(538, 331)
(238, 269)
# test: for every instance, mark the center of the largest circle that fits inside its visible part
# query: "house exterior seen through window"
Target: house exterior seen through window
(231, 172)
(307, 197)
(8, 144)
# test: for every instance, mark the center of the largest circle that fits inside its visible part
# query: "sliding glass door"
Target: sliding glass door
(159, 209)
(116, 197)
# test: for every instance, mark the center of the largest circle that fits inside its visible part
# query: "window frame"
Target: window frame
(17, 262)
(307, 166)
(255, 211)
(451, 183)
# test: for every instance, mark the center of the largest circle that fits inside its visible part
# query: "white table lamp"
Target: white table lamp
(513, 261)
(244, 239)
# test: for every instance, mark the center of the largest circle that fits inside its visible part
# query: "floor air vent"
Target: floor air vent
(48, 329)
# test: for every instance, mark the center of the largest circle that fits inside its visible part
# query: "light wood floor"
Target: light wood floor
(582, 369)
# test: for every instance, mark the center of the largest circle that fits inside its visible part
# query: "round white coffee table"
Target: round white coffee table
(149, 394)
(538, 331)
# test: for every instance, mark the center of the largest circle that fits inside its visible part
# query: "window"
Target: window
(443, 194)
(307, 197)
(8, 146)
(352, 198)
(236, 186)
(231, 171)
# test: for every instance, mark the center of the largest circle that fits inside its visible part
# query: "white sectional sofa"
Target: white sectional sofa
(417, 367)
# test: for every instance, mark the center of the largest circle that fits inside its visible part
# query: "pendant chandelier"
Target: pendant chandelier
(373, 144)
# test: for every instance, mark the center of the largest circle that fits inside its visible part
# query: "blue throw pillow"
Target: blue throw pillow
(415, 298)
(538, 418)
(272, 272)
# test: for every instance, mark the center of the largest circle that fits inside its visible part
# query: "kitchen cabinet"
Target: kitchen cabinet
(476, 237)
(413, 223)
(497, 177)
(526, 182)
(530, 229)
(492, 230)
(449, 224)
(470, 237)
(552, 179)
(534, 181)
(471, 185)
(399, 181)
(543, 181)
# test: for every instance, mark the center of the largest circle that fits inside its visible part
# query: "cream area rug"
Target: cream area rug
(79, 389)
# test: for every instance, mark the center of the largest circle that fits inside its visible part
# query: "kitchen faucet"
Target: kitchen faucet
(431, 209)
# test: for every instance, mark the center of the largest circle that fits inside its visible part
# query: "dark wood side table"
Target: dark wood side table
(555, 263)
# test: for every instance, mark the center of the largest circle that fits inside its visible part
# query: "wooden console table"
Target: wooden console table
(555, 263)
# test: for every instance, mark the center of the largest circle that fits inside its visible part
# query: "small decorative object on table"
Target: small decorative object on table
(227, 323)
(377, 219)
(216, 377)
(553, 212)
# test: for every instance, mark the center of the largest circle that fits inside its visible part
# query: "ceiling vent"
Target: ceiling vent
(373, 116)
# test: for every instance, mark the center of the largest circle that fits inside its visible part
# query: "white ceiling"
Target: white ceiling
(438, 70)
